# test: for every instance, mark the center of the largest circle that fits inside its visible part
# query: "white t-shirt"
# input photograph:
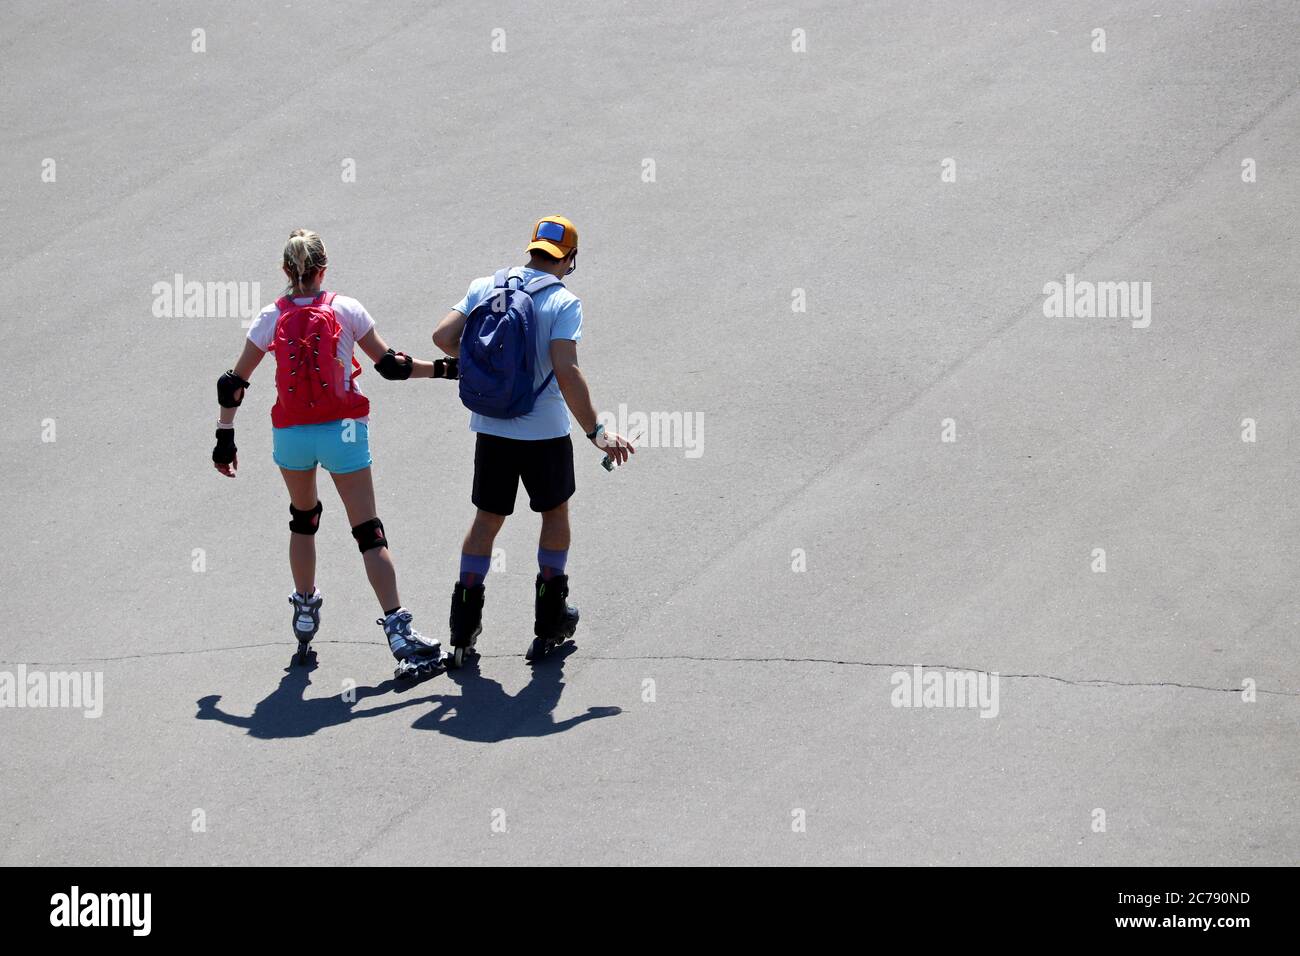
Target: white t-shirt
(354, 323)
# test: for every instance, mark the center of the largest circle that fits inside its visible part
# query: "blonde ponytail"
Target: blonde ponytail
(304, 254)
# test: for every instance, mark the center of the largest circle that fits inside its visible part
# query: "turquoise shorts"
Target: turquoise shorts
(338, 447)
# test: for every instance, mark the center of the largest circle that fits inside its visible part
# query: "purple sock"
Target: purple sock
(473, 568)
(551, 562)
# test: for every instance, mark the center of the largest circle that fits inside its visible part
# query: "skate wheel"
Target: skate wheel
(458, 657)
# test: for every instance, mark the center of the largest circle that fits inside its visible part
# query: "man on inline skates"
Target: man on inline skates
(516, 336)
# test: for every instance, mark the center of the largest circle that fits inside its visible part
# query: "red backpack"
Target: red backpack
(309, 376)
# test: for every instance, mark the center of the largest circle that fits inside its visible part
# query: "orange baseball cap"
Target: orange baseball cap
(554, 235)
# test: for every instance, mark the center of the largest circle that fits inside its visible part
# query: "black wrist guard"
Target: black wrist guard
(227, 387)
(395, 366)
(224, 453)
(446, 368)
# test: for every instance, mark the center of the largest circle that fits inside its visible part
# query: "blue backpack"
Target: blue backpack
(498, 350)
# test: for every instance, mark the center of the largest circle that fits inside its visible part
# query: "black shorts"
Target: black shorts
(546, 467)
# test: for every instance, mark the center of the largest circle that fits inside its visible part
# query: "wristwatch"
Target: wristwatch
(595, 433)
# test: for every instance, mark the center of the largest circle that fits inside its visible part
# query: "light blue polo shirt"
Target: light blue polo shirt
(559, 316)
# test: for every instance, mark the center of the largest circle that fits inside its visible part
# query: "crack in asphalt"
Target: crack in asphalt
(832, 661)
(1074, 682)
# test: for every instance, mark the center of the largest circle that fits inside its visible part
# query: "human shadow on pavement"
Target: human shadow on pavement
(484, 713)
(287, 712)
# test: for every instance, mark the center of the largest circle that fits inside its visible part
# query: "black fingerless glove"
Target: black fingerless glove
(224, 453)
(395, 366)
(446, 368)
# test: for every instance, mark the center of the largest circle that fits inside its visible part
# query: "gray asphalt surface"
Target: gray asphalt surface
(774, 171)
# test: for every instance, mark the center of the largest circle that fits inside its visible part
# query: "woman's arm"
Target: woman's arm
(247, 363)
(377, 348)
(373, 345)
(225, 457)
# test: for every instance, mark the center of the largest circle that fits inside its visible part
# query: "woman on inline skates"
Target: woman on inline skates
(321, 418)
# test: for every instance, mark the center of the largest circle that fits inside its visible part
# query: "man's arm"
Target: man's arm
(573, 386)
(447, 335)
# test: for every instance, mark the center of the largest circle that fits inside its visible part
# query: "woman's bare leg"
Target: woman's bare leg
(357, 490)
(302, 547)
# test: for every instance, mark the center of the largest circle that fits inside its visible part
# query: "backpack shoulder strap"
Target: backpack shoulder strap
(546, 381)
(540, 283)
(285, 303)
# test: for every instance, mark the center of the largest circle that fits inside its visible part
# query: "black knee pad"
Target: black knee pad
(304, 522)
(370, 534)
